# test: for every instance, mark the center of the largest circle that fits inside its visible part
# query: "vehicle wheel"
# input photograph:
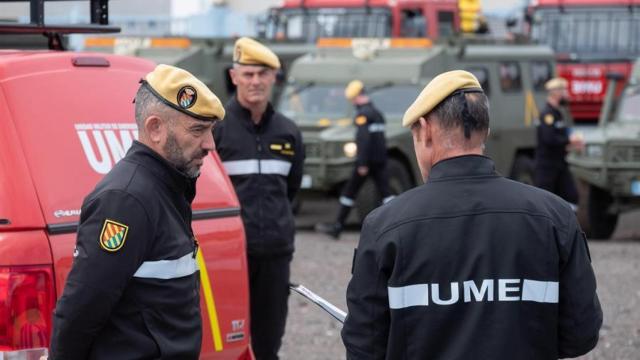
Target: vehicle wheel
(601, 222)
(523, 169)
(369, 198)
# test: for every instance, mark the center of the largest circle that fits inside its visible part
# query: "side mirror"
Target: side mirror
(609, 100)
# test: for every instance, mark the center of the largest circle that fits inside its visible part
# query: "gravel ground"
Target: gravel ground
(323, 265)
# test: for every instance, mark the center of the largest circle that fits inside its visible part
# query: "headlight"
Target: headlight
(350, 149)
(595, 151)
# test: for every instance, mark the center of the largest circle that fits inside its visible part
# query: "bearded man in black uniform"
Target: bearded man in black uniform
(371, 156)
(134, 288)
(470, 265)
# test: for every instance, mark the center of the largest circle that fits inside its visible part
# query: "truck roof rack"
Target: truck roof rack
(99, 10)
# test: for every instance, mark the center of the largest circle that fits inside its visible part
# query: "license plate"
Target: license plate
(306, 182)
(635, 187)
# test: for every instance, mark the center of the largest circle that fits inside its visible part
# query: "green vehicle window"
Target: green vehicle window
(540, 74)
(314, 101)
(393, 101)
(482, 74)
(510, 80)
(630, 105)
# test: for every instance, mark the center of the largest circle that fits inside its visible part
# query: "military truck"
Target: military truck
(394, 71)
(207, 58)
(609, 164)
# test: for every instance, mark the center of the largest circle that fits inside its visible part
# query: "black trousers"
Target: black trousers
(558, 180)
(347, 199)
(269, 293)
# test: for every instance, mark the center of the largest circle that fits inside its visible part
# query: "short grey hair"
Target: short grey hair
(147, 104)
(449, 112)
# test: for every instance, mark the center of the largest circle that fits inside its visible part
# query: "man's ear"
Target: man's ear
(425, 131)
(155, 128)
(233, 73)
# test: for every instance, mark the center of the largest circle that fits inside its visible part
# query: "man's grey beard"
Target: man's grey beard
(175, 156)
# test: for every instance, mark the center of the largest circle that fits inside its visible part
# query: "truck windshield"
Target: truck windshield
(318, 101)
(310, 24)
(589, 33)
(630, 105)
(314, 101)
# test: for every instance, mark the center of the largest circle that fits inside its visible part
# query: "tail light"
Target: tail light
(27, 298)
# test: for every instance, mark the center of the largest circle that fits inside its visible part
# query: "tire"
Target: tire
(523, 169)
(369, 198)
(601, 222)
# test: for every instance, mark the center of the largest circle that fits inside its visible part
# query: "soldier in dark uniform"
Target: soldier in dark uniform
(552, 172)
(371, 156)
(133, 290)
(470, 265)
(263, 154)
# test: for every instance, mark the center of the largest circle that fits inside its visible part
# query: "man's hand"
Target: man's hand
(363, 170)
(576, 141)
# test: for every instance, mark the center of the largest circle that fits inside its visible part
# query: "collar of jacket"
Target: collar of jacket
(176, 180)
(238, 111)
(462, 166)
(361, 107)
(555, 110)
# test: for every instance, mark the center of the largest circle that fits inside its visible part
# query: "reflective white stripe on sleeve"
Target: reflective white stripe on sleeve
(376, 128)
(346, 201)
(540, 291)
(255, 166)
(278, 167)
(168, 269)
(241, 167)
(406, 296)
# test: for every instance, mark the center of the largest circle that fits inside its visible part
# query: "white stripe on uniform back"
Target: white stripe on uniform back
(255, 166)
(406, 296)
(540, 291)
(168, 269)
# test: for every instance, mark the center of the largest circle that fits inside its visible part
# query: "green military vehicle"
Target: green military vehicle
(209, 59)
(512, 75)
(609, 164)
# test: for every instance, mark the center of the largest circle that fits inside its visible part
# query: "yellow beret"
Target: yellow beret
(250, 52)
(184, 92)
(353, 89)
(556, 83)
(436, 91)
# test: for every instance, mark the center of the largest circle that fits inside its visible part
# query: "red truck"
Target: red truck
(590, 38)
(65, 120)
(309, 20)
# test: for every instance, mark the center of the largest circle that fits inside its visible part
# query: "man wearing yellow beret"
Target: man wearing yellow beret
(551, 169)
(132, 292)
(263, 154)
(470, 265)
(371, 156)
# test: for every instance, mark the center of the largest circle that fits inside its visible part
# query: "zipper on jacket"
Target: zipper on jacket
(259, 148)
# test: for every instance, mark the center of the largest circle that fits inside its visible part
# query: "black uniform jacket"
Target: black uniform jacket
(140, 300)
(265, 165)
(471, 266)
(370, 139)
(553, 138)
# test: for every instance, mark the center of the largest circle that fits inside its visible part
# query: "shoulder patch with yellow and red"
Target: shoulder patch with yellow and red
(548, 119)
(113, 235)
(361, 120)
